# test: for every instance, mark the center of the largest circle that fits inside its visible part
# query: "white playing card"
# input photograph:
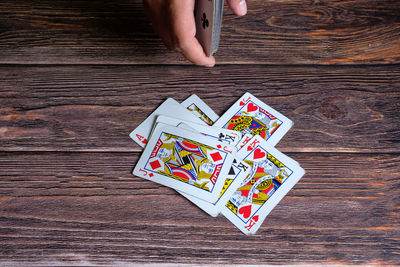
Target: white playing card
(250, 115)
(170, 120)
(223, 135)
(257, 140)
(271, 177)
(169, 107)
(246, 138)
(236, 175)
(200, 109)
(186, 161)
(186, 127)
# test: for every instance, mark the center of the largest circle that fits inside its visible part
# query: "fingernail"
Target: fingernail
(210, 65)
(242, 7)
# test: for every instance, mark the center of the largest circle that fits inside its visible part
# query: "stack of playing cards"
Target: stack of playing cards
(223, 165)
(208, 17)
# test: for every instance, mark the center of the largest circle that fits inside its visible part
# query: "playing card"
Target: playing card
(204, 18)
(169, 107)
(255, 140)
(186, 161)
(246, 138)
(224, 135)
(169, 120)
(250, 115)
(237, 173)
(200, 109)
(271, 177)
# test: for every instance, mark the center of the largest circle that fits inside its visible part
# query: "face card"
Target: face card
(237, 173)
(200, 109)
(222, 135)
(170, 120)
(256, 140)
(204, 16)
(186, 161)
(246, 138)
(169, 107)
(271, 177)
(250, 115)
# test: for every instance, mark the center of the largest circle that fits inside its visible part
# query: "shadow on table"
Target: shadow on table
(116, 31)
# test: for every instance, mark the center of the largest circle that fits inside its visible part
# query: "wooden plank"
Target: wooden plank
(273, 32)
(42, 174)
(94, 108)
(87, 208)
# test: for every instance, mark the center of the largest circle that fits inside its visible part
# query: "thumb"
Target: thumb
(239, 7)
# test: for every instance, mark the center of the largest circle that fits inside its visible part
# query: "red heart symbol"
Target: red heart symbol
(258, 154)
(249, 148)
(251, 107)
(241, 103)
(246, 211)
(255, 218)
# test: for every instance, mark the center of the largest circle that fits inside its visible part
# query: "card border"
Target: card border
(176, 184)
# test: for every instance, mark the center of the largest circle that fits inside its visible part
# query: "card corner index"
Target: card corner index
(248, 94)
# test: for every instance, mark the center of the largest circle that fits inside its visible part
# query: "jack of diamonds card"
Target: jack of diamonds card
(186, 161)
(272, 175)
(249, 115)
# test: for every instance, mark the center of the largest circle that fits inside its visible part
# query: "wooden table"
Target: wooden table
(77, 76)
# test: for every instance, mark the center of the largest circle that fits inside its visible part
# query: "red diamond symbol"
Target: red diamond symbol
(219, 146)
(151, 175)
(216, 156)
(155, 164)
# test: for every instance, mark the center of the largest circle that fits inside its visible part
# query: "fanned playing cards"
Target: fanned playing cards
(208, 17)
(226, 164)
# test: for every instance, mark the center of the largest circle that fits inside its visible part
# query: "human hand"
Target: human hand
(173, 21)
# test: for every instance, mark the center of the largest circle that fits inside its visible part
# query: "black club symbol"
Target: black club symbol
(204, 21)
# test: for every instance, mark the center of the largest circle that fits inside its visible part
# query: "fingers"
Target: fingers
(174, 22)
(192, 50)
(239, 7)
(184, 28)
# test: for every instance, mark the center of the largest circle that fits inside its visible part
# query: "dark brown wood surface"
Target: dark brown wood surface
(87, 205)
(273, 32)
(94, 108)
(77, 76)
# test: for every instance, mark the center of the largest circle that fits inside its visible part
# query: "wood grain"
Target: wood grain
(86, 207)
(94, 108)
(77, 76)
(273, 32)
